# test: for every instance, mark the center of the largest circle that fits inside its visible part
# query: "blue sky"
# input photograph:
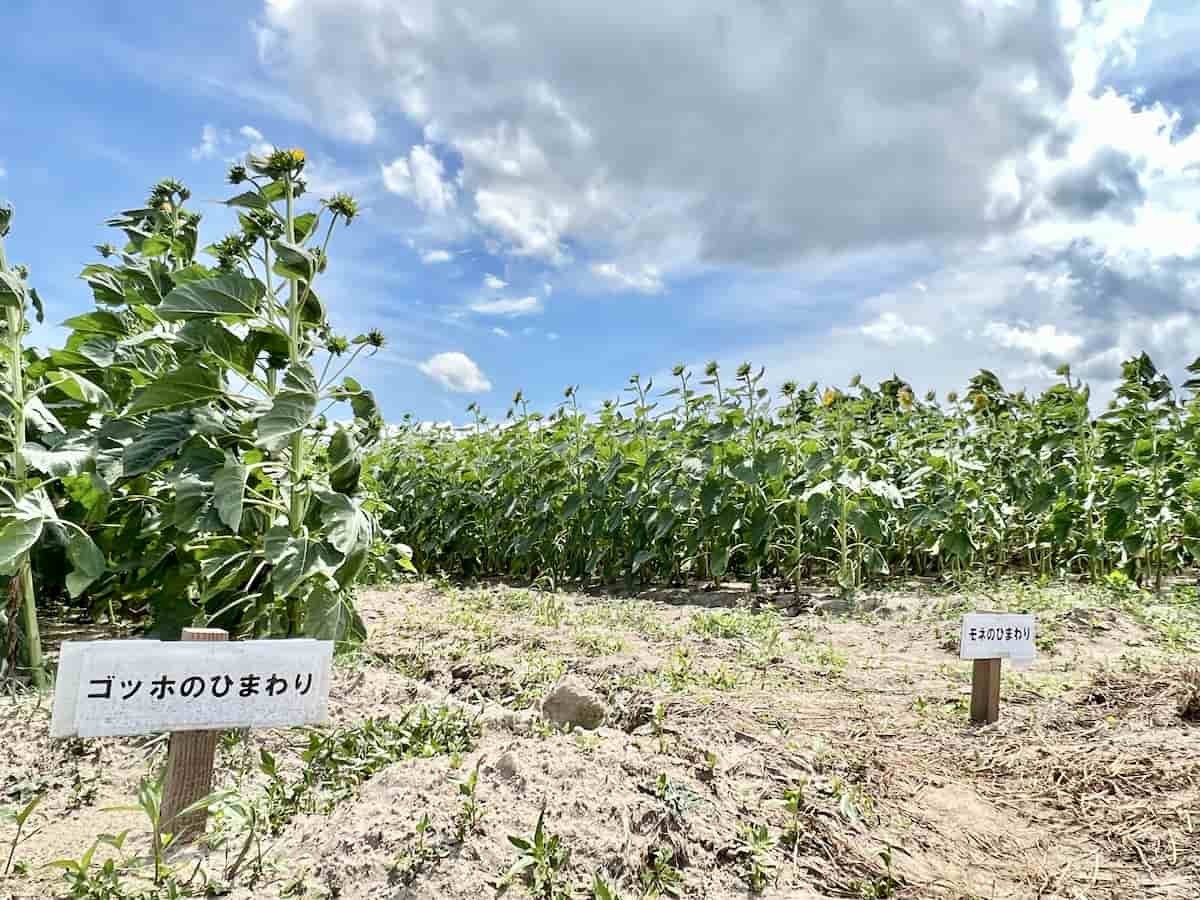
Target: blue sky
(565, 195)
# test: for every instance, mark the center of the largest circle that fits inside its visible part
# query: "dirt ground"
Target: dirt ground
(719, 707)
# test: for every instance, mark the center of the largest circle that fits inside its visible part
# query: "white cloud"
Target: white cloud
(500, 332)
(532, 223)
(516, 306)
(1044, 340)
(211, 138)
(216, 142)
(568, 132)
(422, 177)
(645, 279)
(456, 372)
(890, 328)
(433, 257)
(492, 283)
(1020, 146)
(259, 146)
(397, 177)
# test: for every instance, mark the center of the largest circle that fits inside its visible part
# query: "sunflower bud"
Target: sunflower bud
(711, 368)
(6, 214)
(952, 396)
(856, 380)
(337, 345)
(375, 338)
(930, 396)
(788, 389)
(677, 371)
(743, 371)
(342, 205)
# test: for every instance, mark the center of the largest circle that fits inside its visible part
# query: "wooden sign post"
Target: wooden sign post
(190, 757)
(193, 689)
(987, 639)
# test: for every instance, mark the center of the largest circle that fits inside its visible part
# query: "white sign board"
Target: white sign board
(107, 688)
(998, 636)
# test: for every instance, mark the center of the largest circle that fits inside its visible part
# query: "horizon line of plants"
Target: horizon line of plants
(172, 462)
(720, 480)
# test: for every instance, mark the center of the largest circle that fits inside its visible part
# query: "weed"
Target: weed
(20, 818)
(337, 762)
(602, 889)
(658, 876)
(754, 845)
(599, 644)
(541, 863)
(469, 813)
(149, 803)
(549, 610)
(415, 856)
(735, 623)
(885, 885)
(86, 883)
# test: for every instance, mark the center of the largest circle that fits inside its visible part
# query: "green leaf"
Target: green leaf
(296, 559)
(229, 486)
(98, 322)
(293, 261)
(291, 410)
(161, 438)
(330, 616)
(342, 520)
(79, 388)
(189, 385)
(87, 560)
(718, 561)
(345, 462)
(193, 494)
(249, 200)
(211, 335)
(22, 526)
(303, 226)
(59, 461)
(231, 295)
(12, 290)
(105, 283)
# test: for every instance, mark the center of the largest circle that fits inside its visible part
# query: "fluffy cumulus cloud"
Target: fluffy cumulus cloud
(645, 278)
(869, 123)
(421, 176)
(509, 306)
(433, 257)
(890, 328)
(1031, 150)
(492, 283)
(455, 371)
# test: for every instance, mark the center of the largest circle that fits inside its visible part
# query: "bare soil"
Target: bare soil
(1088, 787)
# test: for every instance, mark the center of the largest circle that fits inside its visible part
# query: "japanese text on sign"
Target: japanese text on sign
(108, 688)
(998, 636)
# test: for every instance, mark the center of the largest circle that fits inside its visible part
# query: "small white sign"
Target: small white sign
(998, 636)
(107, 688)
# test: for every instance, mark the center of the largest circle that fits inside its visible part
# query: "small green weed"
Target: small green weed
(541, 864)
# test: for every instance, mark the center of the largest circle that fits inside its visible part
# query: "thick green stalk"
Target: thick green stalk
(33, 638)
(295, 497)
